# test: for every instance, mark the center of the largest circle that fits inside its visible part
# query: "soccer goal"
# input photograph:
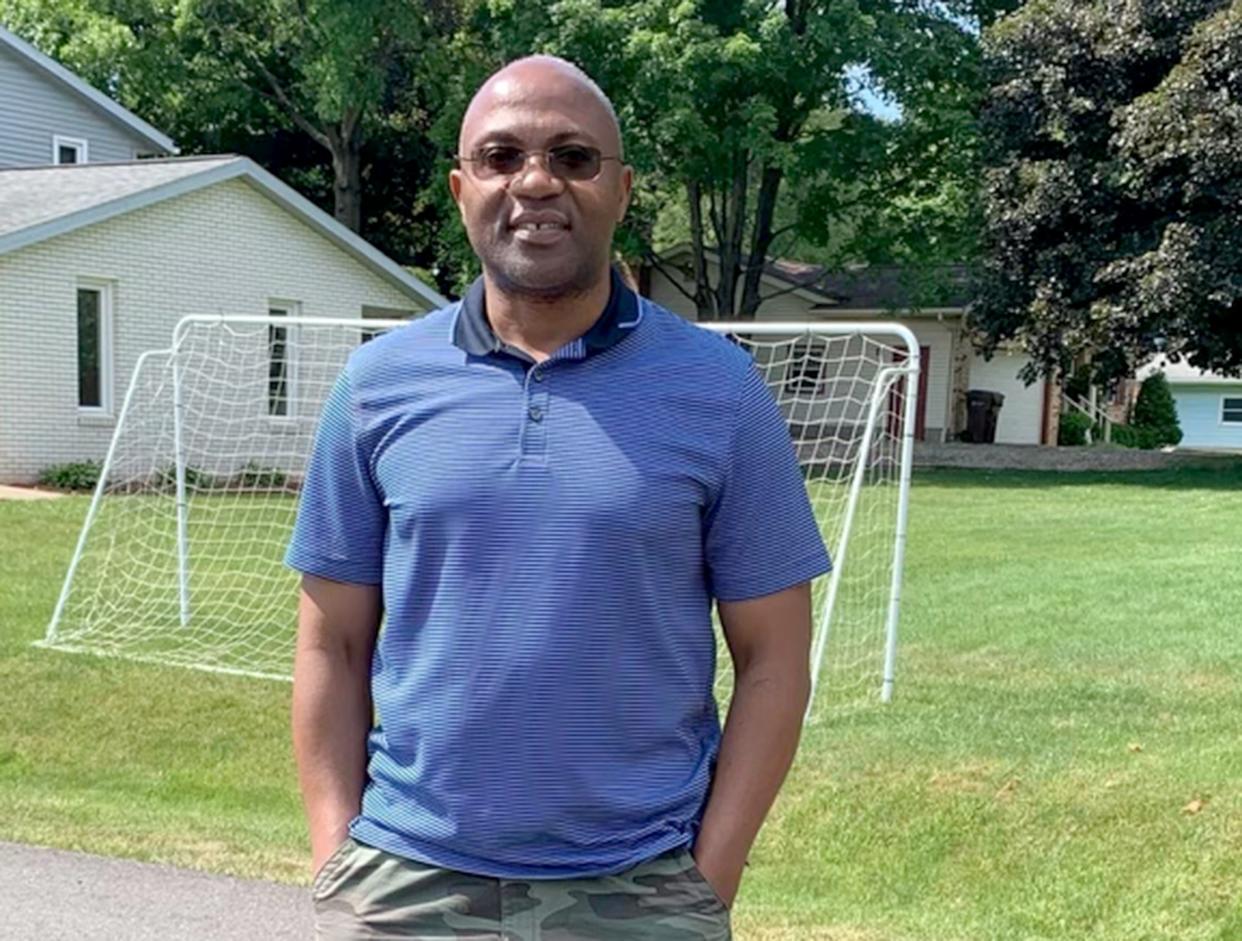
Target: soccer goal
(179, 560)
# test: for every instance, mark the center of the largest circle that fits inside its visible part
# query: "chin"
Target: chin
(532, 279)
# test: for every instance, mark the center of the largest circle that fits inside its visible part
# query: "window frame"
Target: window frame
(799, 357)
(1225, 409)
(278, 307)
(107, 372)
(77, 143)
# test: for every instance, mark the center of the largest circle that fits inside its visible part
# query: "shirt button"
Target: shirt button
(538, 376)
(536, 413)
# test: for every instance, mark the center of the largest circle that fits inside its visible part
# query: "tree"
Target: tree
(1114, 184)
(336, 70)
(1155, 413)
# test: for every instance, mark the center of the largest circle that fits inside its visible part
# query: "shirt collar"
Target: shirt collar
(473, 334)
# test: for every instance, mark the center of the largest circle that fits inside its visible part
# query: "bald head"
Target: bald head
(541, 81)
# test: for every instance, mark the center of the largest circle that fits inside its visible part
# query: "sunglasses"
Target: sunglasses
(575, 162)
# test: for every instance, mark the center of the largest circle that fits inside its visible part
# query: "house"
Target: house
(1209, 405)
(932, 309)
(48, 115)
(100, 258)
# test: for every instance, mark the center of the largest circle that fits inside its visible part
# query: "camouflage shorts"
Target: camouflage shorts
(362, 892)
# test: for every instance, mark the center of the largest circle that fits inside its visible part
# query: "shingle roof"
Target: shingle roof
(30, 196)
(55, 70)
(872, 288)
(880, 287)
(40, 203)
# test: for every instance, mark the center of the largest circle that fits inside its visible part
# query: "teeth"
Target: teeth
(539, 226)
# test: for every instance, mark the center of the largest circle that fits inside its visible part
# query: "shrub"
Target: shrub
(254, 476)
(76, 475)
(1155, 413)
(1073, 429)
(1127, 436)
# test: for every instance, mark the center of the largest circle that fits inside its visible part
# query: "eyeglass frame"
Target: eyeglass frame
(546, 154)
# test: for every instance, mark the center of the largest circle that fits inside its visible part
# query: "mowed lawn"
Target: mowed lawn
(1062, 760)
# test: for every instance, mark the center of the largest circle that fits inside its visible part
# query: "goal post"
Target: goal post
(179, 560)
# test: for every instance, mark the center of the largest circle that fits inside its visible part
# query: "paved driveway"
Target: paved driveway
(51, 895)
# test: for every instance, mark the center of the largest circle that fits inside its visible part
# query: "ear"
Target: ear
(627, 191)
(455, 181)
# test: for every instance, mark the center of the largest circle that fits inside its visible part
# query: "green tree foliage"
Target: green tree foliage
(1113, 187)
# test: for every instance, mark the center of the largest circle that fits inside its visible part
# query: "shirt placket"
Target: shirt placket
(535, 401)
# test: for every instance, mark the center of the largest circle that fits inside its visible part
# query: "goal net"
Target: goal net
(179, 560)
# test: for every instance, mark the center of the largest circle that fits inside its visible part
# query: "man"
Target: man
(543, 487)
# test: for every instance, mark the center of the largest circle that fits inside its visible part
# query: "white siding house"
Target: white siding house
(1209, 405)
(949, 364)
(48, 115)
(123, 251)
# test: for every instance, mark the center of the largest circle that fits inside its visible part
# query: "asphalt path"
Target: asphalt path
(52, 895)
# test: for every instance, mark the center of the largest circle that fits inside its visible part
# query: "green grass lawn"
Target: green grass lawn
(1068, 693)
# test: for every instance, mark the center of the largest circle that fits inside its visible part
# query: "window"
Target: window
(1231, 410)
(95, 347)
(68, 150)
(805, 369)
(280, 373)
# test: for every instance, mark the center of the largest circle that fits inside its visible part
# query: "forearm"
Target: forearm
(760, 738)
(331, 719)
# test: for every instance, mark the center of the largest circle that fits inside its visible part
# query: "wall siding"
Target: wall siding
(1198, 412)
(226, 249)
(34, 107)
(1022, 412)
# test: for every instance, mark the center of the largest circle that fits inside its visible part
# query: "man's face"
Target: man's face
(538, 233)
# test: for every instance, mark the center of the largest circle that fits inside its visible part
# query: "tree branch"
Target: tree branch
(282, 98)
(654, 260)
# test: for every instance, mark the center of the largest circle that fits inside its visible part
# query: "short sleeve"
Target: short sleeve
(339, 532)
(760, 531)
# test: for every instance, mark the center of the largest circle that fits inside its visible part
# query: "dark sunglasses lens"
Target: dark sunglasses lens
(574, 163)
(500, 160)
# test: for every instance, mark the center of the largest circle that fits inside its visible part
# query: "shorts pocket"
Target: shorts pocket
(697, 875)
(330, 867)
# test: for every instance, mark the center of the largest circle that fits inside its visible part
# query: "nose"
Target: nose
(538, 181)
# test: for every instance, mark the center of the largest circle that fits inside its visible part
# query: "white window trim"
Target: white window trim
(106, 363)
(287, 308)
(1221, 419)
(78, 143)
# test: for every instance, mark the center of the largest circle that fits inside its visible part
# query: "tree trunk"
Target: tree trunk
(733, 228)
(704, 298)
(761, 241)
(346, 149)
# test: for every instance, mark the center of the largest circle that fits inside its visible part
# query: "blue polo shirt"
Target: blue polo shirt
(549, 539)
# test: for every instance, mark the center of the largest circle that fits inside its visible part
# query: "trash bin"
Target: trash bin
(982, 408)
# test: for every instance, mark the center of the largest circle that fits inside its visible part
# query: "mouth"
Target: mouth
(539, 231)
(540, 226)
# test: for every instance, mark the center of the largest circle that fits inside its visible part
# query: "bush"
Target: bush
(1073, 429)
(77, 475)
(254, 476)
(1127, 436)
(1155, 413)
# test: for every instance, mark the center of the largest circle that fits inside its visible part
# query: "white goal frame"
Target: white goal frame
(901, 374)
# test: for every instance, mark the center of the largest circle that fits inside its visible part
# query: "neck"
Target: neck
(539, 326)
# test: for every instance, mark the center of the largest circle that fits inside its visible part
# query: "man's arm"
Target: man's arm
(769, 639)
(337, 624)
